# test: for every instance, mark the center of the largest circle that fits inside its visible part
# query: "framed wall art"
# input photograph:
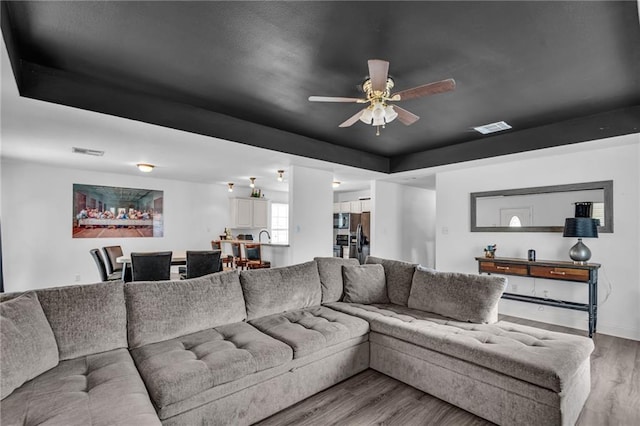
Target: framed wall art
(116, 212)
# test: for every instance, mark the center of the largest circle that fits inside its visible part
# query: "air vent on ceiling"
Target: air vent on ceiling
(87, 151)
(492, 127)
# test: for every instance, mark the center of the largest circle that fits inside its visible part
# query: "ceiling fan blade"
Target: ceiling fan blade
(427, 89)
(407, 118)
(354, 119)
(335, 99)
(378, 73)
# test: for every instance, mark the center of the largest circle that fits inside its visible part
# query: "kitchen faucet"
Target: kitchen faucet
(260, 236)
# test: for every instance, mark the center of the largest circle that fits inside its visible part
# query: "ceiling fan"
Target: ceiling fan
(378, 87)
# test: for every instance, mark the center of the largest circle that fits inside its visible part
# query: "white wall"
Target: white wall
(616, 159)
(418, 226)
(310, 214)
(339, 197)
(386, 231)
(38, 250)
(403, 223)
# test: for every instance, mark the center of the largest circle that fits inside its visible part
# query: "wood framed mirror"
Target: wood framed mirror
(542, 208)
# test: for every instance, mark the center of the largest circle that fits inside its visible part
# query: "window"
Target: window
(279, 223)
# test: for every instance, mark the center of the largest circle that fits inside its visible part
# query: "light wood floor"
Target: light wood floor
(373, 398)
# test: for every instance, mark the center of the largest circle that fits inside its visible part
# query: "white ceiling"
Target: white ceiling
(44, 132)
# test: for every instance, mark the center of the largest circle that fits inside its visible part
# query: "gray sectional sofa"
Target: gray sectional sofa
(233, 348)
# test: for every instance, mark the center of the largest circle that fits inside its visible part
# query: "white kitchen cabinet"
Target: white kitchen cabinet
(336, 207)
(355, 207)
(345, 207)
(249, 213)
(260, 213)
(365, 205)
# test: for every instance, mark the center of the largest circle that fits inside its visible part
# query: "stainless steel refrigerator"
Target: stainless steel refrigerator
(359, 235)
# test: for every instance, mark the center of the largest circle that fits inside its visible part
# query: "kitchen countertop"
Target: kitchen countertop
(275, 245)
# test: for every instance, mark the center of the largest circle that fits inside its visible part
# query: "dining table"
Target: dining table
(178, 257)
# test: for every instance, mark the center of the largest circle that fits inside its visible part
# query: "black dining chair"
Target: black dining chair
(201, 263)
(111, 253)
(151, 266)
(102, 269)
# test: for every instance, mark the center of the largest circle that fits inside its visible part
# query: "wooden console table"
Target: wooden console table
(553, 270)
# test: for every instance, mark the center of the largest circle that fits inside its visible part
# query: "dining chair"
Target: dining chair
(102, 269)
(253, 258)
(151, 266)
(238, 260)
(111, 253)
(226, 259)
(201, 263)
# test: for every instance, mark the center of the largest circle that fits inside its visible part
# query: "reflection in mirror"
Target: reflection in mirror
(542, 209)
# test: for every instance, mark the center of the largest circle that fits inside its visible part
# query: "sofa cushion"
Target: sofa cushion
(177, 369)
(465, 297)
(86, 319)
(165, 310)
(27, 345)
(312, 329)
(398, 275)
(97, 389)
(365, 284)
(543, 358)
(271, 291)
(330, 271)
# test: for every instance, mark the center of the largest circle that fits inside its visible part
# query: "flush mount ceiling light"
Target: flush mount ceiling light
(253, 182)
(335, 184)
(280, 175)
(378, 90)
(230, 185)
(144, 167)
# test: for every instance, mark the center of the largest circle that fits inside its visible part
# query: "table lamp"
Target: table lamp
(581, 227)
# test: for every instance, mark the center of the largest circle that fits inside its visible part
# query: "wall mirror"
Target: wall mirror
(543, 208)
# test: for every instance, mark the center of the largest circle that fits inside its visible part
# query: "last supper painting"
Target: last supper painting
(115, 212)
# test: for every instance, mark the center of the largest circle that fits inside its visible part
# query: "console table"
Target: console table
(553, 270)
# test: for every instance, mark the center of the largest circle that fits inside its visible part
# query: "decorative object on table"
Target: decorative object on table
(115, 212)
(256, 193)
(531, 255)
(581, 227)
(227, 232)
(490, 251)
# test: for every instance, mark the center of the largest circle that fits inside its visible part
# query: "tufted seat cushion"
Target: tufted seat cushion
(311, 329)
(177, 369)
(541, 357)
(97, 389)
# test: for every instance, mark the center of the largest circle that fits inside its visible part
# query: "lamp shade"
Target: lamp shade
(581, 227)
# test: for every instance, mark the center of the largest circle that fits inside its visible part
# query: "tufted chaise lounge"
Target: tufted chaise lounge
(234, 348)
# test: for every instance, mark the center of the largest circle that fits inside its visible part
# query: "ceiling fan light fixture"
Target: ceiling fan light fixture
(253, 182)
(390, 114)
(367, 116)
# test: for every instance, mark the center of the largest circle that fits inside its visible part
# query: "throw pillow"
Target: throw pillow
(365, 284)
(399, 275)
(465, 297)
(330, 270)
(27, 343)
